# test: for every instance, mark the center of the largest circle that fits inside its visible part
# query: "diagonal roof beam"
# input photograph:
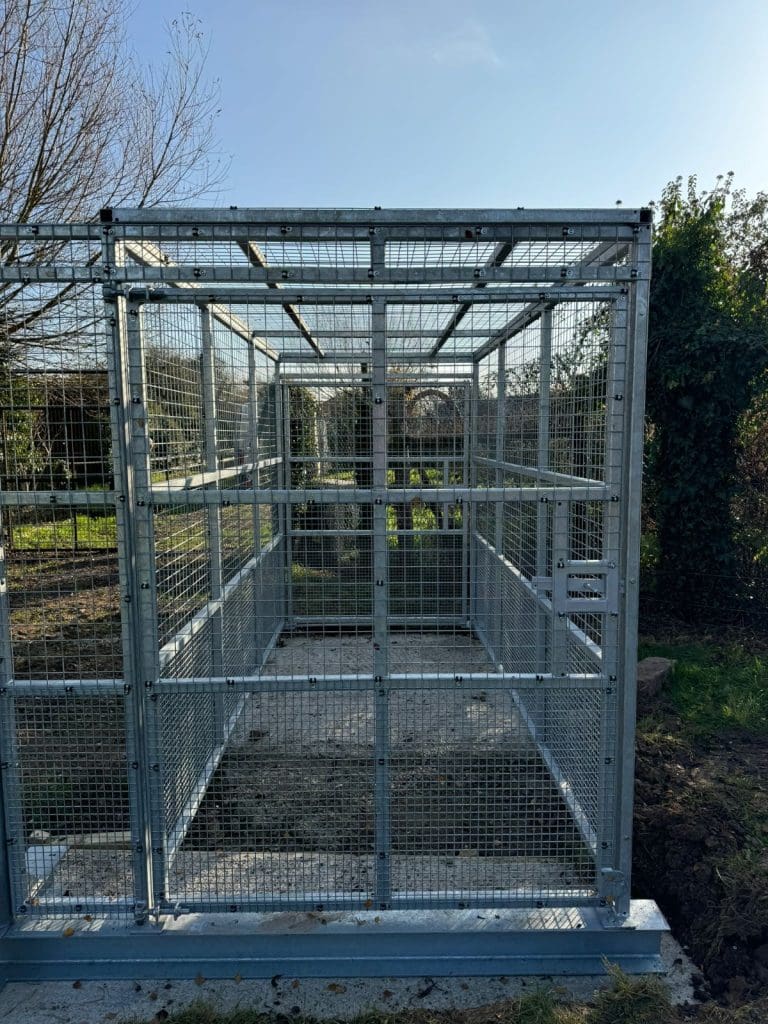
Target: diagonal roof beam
(602, 255)
(149, 255)
(499, 254)
(258, 259)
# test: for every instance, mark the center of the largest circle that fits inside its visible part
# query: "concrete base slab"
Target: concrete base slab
(99, 1002)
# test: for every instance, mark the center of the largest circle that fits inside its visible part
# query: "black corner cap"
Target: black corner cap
(646, 215)
(105, 215)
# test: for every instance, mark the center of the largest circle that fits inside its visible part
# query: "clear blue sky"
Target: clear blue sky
(493, 103)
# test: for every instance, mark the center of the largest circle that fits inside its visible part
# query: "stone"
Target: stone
(652, 673)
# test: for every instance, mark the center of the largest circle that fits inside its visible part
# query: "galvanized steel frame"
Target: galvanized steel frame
(127, 288)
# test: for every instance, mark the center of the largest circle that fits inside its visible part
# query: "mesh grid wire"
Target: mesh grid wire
(72, 805)
(313, 530)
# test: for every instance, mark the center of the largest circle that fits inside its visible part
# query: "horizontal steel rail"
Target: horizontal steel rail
(332, 622)
(304, 379)
(411, 333)
(100, 501)
(364, 495)
(610, 217)
(547, 476)
(51, 233)
(363, 296)
(224, 472)
(490, 233)
(445, 360)
(570, 228)
(268, 683)
(75, 906)
(362, 460)
(69, 687)
(202, 276)
(265, 682)
(319, 902)
(321, 532)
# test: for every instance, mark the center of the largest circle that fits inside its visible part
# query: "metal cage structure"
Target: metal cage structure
(319, 591)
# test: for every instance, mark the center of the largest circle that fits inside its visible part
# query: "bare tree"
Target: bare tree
(86, 126)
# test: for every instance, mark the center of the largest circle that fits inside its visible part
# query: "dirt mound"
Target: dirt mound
(701, 848)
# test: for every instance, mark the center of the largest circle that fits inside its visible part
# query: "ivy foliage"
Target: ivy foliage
(751, 505)
(24, 458)
(708, 344)
(303, 426)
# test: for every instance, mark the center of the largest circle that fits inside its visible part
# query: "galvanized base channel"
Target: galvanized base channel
(555, 941)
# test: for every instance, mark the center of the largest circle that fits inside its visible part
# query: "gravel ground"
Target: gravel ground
(234, 876)
(349, 654)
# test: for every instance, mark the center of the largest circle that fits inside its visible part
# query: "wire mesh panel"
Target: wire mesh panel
(319, 566)
(288, 819)
(70, 799)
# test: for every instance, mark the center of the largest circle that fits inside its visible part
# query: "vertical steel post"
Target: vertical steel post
(542, 508)
(498, 518)
(283, 509)
(445, 508)
(609, 877)
(213, 512)
(251, 452)
(287, 508)
(6, 892)
(12, 838)
(471, 509)
(631, 495)
(560, 554)
(380, 601)
(465, 508)
(146, 622)
(130, 579)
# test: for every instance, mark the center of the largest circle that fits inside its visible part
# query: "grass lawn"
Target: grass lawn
(182, 529)
(716, 687)
(96, 532)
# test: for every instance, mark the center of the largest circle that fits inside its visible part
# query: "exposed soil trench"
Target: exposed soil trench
(695, 855)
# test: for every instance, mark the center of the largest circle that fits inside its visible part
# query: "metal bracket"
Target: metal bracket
(581, 586)
(613, 885)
